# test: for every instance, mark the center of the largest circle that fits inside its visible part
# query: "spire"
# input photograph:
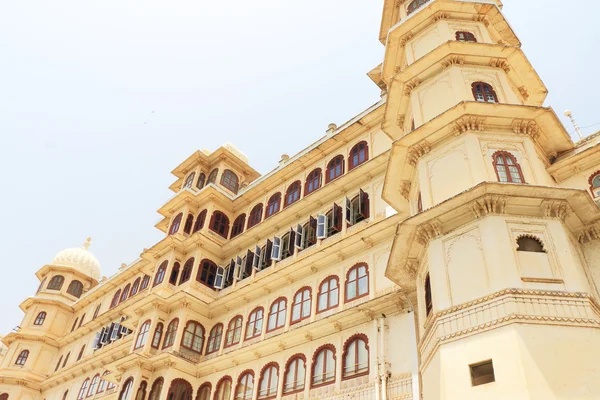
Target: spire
(87, 243)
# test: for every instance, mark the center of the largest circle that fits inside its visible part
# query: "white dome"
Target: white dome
(80, 259)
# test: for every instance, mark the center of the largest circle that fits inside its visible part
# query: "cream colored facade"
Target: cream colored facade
(443, 244)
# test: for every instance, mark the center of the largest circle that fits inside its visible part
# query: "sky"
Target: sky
(99, 101)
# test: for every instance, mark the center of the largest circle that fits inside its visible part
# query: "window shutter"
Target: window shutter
(230, 273)
(238, 269)
(276, 251)
(299, 236)
(321, 226)
(291, 246)
(104, 336)
(337, 217)
(97, 340)
(363, 204)
(312, 222)
(268, 251)
(349, 218)
(249, 263)
(256, 259)
(220, 278)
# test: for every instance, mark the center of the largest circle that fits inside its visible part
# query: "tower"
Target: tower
(491, 250)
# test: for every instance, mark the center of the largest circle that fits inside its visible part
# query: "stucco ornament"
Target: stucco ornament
(80, 259)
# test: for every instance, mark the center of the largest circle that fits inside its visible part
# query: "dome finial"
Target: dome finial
(87, 243)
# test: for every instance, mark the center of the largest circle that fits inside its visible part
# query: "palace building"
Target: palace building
(443, 244)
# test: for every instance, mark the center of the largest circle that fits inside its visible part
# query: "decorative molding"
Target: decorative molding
(429, 231)
(417, 151)
(589, 234)
(488, 205)
(499, 63)
(526, 127)
(481, 18)
(440, 16)
(400, 120)
(411, 267)
(524, 92)
(543, 280)
(404, 39)
(410, 86)
(468, 123)
(556, 209)
(452, 60)
(405, 189)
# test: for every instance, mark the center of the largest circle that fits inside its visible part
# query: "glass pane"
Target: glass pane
(502, 173)
(322, 301)
(363, 285)
(306, 308)
(514, 174)
(281, 318)
(351, 290)
(333, 297)
(296, 312)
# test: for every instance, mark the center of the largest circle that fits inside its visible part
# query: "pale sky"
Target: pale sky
(82, 154)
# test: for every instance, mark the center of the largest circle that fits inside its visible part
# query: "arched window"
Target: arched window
(219, 223)
(203, 392)
(419, 203)
(158, 331)
(201, 180)
(175, 224)
(594, 181)
(22, 358)
(93, 385)
(223, 391)
(83, 390)
(141, 392)
(174, 273)
(295, 371)
(135, 287)
(530, 244)
(58, 364)
(64, 397)
(273, 205)
(292, 193)
(234, 331)
(255, 215)
(356, 357)
(301, 305)
(4, 396)
(359, 208)
(199, 224)
(313, 181)
(75, 288)
(193, 337)
(277, 314)
(428, 296)
(102, 384)
(323, 366)
(41, 285)
(463, 36)
(269, 379)
(125, 293)
(145, 282)
(56, 282)
(507, 168)
(245, 386)
(238, 225)
(142, 335)
(66, 360)
(230, 181)
(41, 317)
(212, 177)
(358, 155)
(156, 389)
(126, 389)
(189, 181)
(80, 355)
(254, 323)
(207, 273)
(160, 273)
(357, 282)
(335, 168)
(189, 224)
(414, 5)
(214, 339)
(74, 324)
(186, 272)
(484, 92)
(115, 299)
(329, 293)
(171, 333)
(180, 389)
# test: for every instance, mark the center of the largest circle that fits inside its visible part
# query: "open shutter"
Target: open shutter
(249, 263)
(220, 278)
(256, 258)
(291, 246)
(104, 336)
(116, 333)
(312, 223)
(363, 204)
(276, 251)
(97, 340)
(238, 269)
(230, 273)
(321, 226)
(299, 236)
(337, 217)
(268, 251)
(349, 218)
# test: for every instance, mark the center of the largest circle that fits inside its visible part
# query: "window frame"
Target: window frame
(356, 267)
(364, 152)
(176, 224)
(200, 220)
(208, 268)
(156, 388)
(332, 165)
(295, 191)
(238, 226)
(158, 330)
(469, 37)
(186, 271)
(273, 205)
(313, 182)
(194, 337)
(212, 177)
(22, 357)
(301, 292)
(269, 367)
(56, 283)
(355, 339)
(295, 388)
(506, 155)
(40, 318)
(160, 273)
(244, 396)
(328, 293)
(276, 315)
(257, 319)
(232, 327)
(142, 336)
(216, 339)
(255, 216)
(230, 181)
(483, 86)
(324, 382)
(220, 386)
(170, 334)
(219, 224)
(75, 288)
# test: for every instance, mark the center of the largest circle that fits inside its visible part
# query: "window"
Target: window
(115, 299)
(157, 335)
(482, 373)
(80, 355)
(58, 364)
(22, 358)
(507, 168)
(484, 92)
(419, 203)
(93, 385)
(214, 339)
(245, 386)
(180, 389)
(81, 320)
(199, 224)
(301, 305)
(428, 297)
(313, 181)
(295, 372)
(277, 314)
(66, 359)
(201, 180)
(175, 224)
(230, 181)
(273, 205)
(358, 155)
(64, 397)
(292, 194)
(335, 168)
(238, 226)
(41, 317)
(356, 357)
(234, 331)
(255, 215)
(193, 337)
(219, 223)
(171, 333)
(212, 177)
(125, 293)
(156, 389)
(594, 181)
(186, 272)
(309, 236)
(269, 379)
(207, 273)
(142, 335)
(74, 324)
(96, 311)
(83, 390)
(160, 273)
(126, 390)
(254, 323)
(141, 392)
(56, 282)
(358, 209)
(41, 285)
(75, 288)
(223, 389)
(357, 282)
(189, 181)
(462, 36)
(414, 5)
(328, 297)
(145, 282)
(135, 287)
(189, 224)
(203, 392)
(530, 244)
(174, 273)
(323, 367)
